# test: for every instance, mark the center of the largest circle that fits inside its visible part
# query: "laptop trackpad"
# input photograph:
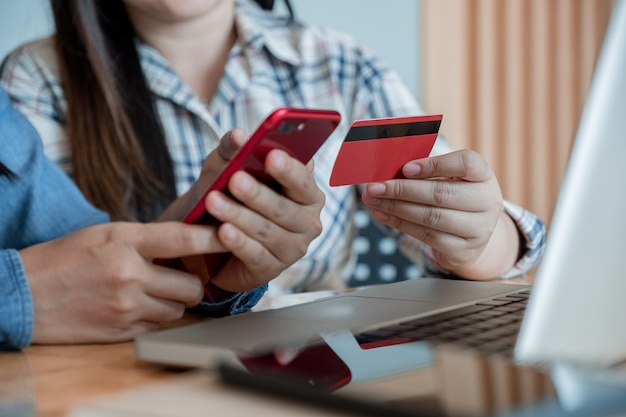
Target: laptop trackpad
(346, 312)
(304, 322)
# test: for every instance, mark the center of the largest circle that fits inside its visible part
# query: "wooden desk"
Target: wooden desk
(50, 380)
(53, 379)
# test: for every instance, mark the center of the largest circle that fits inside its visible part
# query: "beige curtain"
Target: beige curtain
(511, 77)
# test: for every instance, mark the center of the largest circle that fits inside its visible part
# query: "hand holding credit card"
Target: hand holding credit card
(377, 149)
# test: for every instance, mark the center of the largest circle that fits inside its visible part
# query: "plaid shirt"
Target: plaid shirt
(274, 63)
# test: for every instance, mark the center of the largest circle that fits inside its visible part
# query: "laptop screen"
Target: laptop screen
(578, 304)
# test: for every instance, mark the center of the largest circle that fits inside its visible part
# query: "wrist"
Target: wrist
(499, 255)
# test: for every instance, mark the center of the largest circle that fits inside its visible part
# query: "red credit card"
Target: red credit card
(377, 149)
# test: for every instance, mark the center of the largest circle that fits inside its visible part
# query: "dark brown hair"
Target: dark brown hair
(120, 157)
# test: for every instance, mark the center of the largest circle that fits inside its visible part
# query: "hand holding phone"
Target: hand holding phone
(299, 132)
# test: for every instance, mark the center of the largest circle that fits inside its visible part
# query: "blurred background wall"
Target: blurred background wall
(511, 78)
(21, 21)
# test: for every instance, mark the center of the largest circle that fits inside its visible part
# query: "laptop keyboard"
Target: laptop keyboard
(490, 326)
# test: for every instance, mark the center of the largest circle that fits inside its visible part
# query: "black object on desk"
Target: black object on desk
(295, 390)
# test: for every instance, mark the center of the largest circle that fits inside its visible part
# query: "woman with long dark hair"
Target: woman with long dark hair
(129, 96)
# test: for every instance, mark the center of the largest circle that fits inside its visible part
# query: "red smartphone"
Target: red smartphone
(299, 132)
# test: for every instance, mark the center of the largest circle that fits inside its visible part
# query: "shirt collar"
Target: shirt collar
(258, 28)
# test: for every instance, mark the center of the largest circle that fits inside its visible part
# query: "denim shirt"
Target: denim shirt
(41, 203)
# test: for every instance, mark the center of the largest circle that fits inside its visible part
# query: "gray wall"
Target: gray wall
(390, 28)
(21, 21)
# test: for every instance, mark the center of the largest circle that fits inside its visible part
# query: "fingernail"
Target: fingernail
(228, 234)
(412, 169)
(218, 204)
(280, 161)
(244, 183)
(376, 188)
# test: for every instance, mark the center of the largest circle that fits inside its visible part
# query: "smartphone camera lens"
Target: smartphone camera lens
(286, 127)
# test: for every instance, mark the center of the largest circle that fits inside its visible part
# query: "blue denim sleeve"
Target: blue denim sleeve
(235, 304)
(16, 308)
(39, 203)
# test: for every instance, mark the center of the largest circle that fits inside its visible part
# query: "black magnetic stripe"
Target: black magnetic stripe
(393, 130)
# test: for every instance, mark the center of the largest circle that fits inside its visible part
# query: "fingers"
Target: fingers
(265, 230)
(109, 289)
(456, 243)
(276, 226)
(296, 179)
(459, 181)
(465, 164)
(146, 291)
(396, 213)
(142, 291)
(170, 284)
(265, 215)
(423, 207)
(252, 264)
(228, 146)
(231, 142)
(450, 202)
(145, 309)
(161, 310)
(450, 194)
(169, 239)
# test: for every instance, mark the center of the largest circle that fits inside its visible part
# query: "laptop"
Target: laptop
(574, 312)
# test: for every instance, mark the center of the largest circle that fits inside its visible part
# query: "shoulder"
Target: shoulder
(314, 41)
(30, 75)
(36, 59)
(19, 142)
(296, 42)
(324, 60)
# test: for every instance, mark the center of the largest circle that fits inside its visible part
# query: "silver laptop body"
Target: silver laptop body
(204, 343)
